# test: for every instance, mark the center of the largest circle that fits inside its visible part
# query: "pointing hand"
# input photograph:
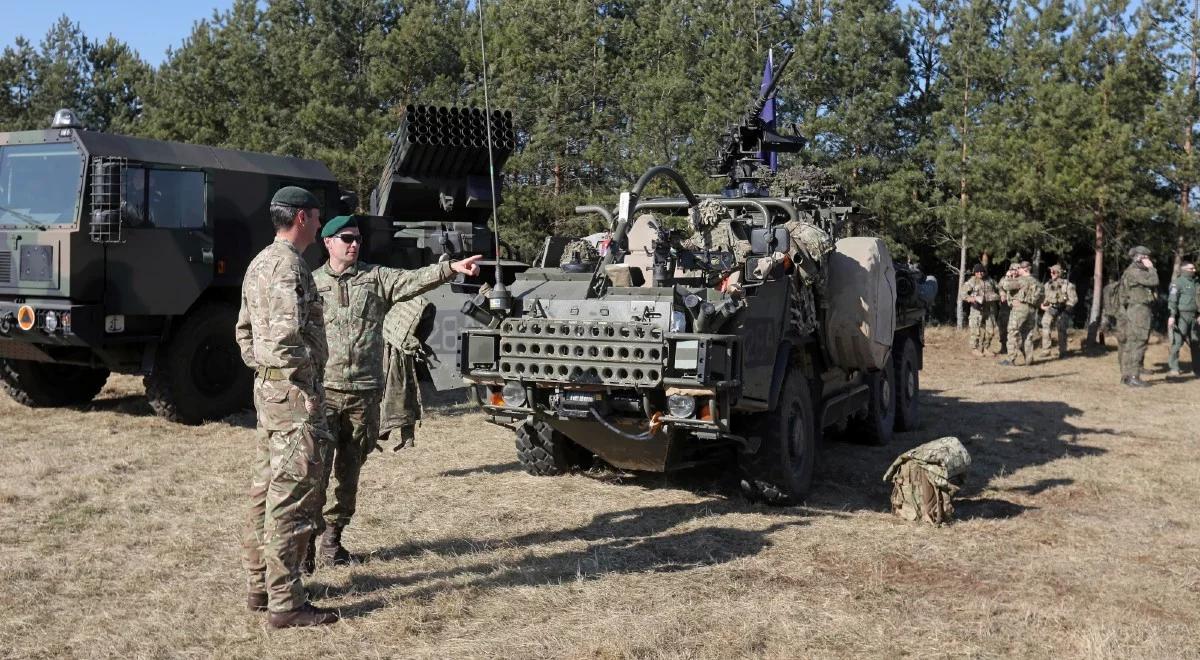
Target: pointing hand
(467, 266)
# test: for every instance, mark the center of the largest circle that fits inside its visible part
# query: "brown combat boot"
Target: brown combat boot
(257, 601)
(332, 552)
(301, 617)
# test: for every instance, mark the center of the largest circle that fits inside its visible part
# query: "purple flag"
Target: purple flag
(768, 112)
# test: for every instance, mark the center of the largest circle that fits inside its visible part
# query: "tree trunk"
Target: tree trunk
(962, 204)
(1186, 186)
(962, 278)
(1097, 282)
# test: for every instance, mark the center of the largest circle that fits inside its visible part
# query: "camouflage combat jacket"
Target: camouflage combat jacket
(1060, 294)
(281, 334)
(356, 302)
(1138, 285)
(985, 289)
(1183, 296)
(1025, 290)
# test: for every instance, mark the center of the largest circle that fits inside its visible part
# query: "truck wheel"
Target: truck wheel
(50, 385)
(781, 472)
(908, 388)
(879, 425)
(544, 452)
(199, 374)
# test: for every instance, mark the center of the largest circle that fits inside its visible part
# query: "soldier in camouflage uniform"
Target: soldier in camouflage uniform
(981, 293)
(281, 335)
(401, 407)
(579, 256)
(1060, 299)
(712, 230)
(356, 298)
(1137, 292)
(1025, 295)
(1004, 310)
(1181, 319)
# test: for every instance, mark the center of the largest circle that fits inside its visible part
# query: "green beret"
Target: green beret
(1139, 251)
(337, 224)
(297, 197)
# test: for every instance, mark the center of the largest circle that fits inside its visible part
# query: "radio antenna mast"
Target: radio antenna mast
(499, 299)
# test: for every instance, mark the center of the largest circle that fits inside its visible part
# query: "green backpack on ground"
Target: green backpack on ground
(925, 478)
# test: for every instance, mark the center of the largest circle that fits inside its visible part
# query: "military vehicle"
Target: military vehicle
(653, 361)
(122, 254)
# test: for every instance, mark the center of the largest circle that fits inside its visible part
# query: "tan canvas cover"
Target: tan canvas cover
(861, 314)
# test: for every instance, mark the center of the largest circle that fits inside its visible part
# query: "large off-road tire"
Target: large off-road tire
(198, 373)
(908, 388)
(50, 385)
(544, 452)
(879, 424)
(781, 471)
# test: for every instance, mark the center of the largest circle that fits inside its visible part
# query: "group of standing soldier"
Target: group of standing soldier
(316, 343)
(1022, 296)
(1129, 301)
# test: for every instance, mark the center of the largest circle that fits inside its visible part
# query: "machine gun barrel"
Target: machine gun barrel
(759, 103)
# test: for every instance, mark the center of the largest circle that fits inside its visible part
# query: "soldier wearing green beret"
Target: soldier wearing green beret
(1137, 291)
(1181, 319)
(281, 334)
(357, 297)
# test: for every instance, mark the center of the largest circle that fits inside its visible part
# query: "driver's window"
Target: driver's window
(133, 201)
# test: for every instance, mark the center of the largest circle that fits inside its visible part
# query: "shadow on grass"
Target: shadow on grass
(628, 541)
(1003, 437)
(130, 404)
(495, 468)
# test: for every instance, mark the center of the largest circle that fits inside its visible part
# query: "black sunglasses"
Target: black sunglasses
(350, 238)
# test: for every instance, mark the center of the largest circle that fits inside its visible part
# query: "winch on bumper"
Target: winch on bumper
(634, 377)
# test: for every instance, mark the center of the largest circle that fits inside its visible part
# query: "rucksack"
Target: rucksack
(926, 478)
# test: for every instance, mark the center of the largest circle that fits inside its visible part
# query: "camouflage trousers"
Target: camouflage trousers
(353, 418)
(1185, 331)
(285, 504)
(402, 397)
(1054, 331)
(1133, 329)
(982, 326)
(1020, 333)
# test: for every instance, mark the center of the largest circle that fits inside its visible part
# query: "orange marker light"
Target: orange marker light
(705, 412)
(496, 399)
(26, 318)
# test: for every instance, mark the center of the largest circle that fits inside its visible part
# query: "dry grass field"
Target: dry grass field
(1078, 536)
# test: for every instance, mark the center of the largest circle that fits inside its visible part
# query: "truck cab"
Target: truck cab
(123, 254)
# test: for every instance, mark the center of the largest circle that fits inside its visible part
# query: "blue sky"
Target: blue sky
(148, 27)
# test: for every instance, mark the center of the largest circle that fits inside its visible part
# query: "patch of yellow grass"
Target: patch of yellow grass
(1077, 538)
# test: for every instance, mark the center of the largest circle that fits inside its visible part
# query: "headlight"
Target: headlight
(678, 322)
(681, 406)
(51, 323)
(513, 393)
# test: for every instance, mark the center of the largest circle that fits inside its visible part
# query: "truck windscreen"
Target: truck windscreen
(39, 184)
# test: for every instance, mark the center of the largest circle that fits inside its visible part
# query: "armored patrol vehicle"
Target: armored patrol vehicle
(122, 254)
(741, 343)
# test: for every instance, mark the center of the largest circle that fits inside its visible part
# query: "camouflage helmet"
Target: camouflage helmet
(1139, 251)
(1056, 269)
(706, 215)
(978, 269)
(579, 256)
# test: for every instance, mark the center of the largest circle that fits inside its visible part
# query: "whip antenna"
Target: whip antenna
(499, 300)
